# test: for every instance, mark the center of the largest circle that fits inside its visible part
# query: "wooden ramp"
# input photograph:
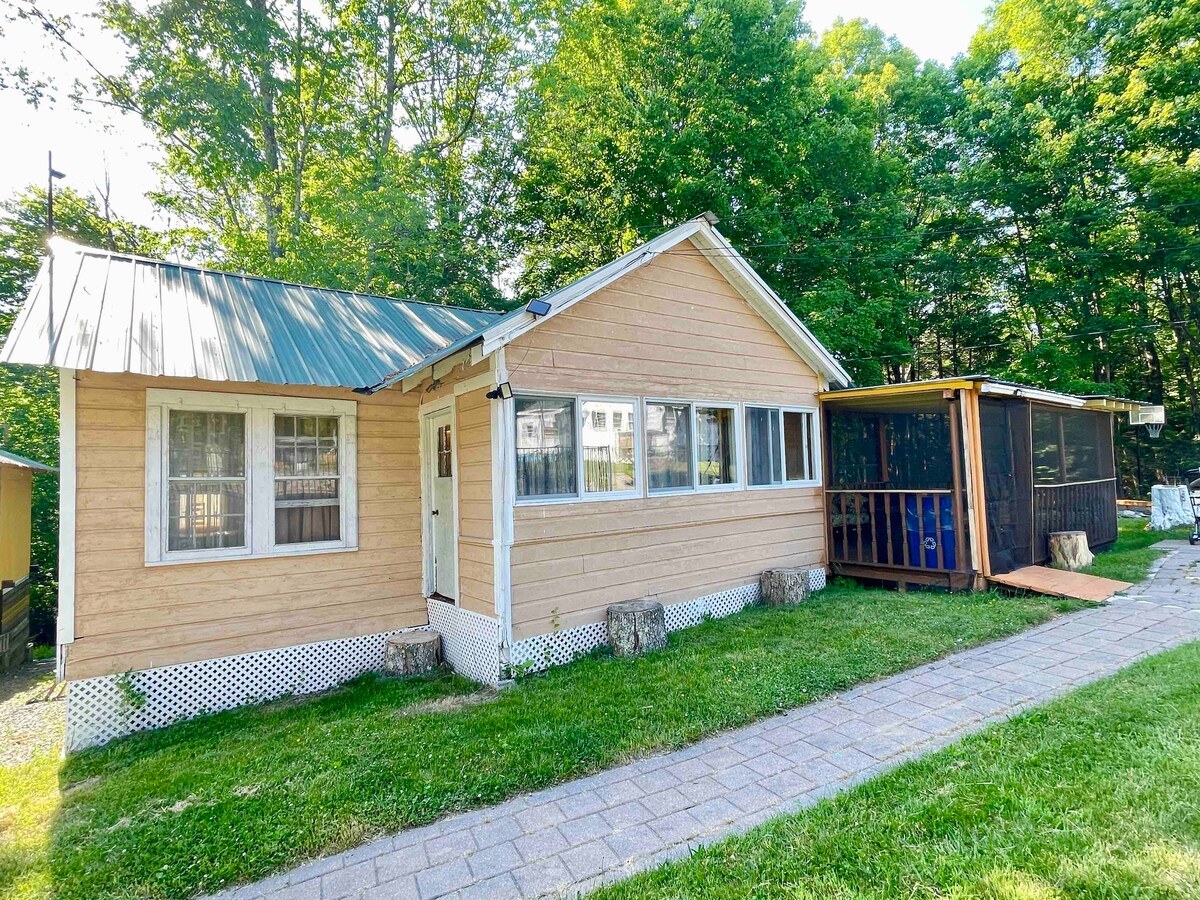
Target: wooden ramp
(1061, 583)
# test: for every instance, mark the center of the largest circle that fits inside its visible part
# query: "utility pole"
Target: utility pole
(51, 175)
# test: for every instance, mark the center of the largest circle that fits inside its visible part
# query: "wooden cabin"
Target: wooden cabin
(949, 482)
(16, 497)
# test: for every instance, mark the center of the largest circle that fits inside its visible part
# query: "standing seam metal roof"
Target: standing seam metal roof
(113, 312)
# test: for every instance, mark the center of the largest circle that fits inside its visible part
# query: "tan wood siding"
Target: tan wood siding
(16, 488)
(473, 415)
(673, 328)
(131, 616)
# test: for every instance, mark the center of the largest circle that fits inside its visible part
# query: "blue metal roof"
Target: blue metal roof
(111, 312)
(22, 462)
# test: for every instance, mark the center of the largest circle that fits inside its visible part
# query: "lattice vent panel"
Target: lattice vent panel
(470, 642)
(558, 648)
(100, 709)
(542, 651)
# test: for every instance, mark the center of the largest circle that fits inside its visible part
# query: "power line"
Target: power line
(1040, 340)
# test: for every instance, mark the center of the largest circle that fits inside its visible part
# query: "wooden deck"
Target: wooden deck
(1061, 583)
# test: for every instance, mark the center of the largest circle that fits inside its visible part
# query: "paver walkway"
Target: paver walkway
(577, 835)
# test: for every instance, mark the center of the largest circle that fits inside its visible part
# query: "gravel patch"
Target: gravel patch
(30, 721)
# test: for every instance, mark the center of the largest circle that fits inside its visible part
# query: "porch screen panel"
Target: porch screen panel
(206, 480)
(307, 480)
(546, 459)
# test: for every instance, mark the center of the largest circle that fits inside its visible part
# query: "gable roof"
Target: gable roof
(115, 312)
(21, 462)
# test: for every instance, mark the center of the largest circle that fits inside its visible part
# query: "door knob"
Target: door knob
(434, 512)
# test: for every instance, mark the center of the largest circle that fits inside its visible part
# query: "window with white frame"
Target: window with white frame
(231, 475)
(781, 446)
(547, 463)
(609, 456)
(716, 446)
(669, 446)
(565, 448)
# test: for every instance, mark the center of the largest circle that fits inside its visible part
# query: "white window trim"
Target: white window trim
(815, 431)
(738, 450)
(260, 413)
(638, 468)
(691, 404)
(580, 495)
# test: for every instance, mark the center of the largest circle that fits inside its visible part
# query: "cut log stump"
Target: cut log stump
(1069, 550)
(636, 627)
(412, 653)
(784, 587)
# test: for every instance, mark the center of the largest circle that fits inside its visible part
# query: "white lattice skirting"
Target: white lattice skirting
(545, 650)
(100, 709)
(470, 641)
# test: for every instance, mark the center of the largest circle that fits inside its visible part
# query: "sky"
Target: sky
(92, 142)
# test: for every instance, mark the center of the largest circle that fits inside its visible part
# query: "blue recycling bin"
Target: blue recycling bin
(937, 523)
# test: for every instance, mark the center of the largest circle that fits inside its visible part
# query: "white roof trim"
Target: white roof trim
(717, 250)
(1031, 393)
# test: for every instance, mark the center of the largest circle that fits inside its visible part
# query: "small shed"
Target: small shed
(16, 497)
(956, 480)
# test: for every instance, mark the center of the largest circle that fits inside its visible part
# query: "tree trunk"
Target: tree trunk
(784, 587)
(1069, 550)
(412, 653)
(637, 627)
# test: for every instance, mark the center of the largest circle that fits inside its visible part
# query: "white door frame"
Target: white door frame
(428, 460)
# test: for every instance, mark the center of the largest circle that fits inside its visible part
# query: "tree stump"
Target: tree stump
(784, 587)
(1069, 550)
(412, 653)
(636, 627)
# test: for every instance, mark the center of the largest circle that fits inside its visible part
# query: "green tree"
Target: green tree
(29, 394)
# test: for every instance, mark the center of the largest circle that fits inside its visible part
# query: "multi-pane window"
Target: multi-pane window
(546, 458)
(781, 446)
(669, 445)
(206, 480)
(307, 476)
(232, 475)
(609, 456)
(445, 457)
(716, 446)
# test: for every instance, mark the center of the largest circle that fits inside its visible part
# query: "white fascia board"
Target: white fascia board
(1031, 393)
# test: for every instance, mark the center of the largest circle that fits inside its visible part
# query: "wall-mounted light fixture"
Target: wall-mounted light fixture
(503, 391)
(538, 307)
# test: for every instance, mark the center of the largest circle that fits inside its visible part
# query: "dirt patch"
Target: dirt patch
(449, 704)
(32, 714)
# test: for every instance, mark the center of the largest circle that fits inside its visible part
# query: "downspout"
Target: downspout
(503, 491)
(66, 519)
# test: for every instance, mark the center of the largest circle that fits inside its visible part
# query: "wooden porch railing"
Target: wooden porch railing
(901, 529)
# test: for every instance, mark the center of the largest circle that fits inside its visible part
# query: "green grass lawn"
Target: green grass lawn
(1131, 557)
(238, 795)
(1093, 796)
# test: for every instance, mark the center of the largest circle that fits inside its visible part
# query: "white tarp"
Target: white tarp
(1170, 507)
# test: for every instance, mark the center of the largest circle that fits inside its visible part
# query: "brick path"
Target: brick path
(605, 827)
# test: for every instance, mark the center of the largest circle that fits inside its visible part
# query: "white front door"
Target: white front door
(439, 462)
